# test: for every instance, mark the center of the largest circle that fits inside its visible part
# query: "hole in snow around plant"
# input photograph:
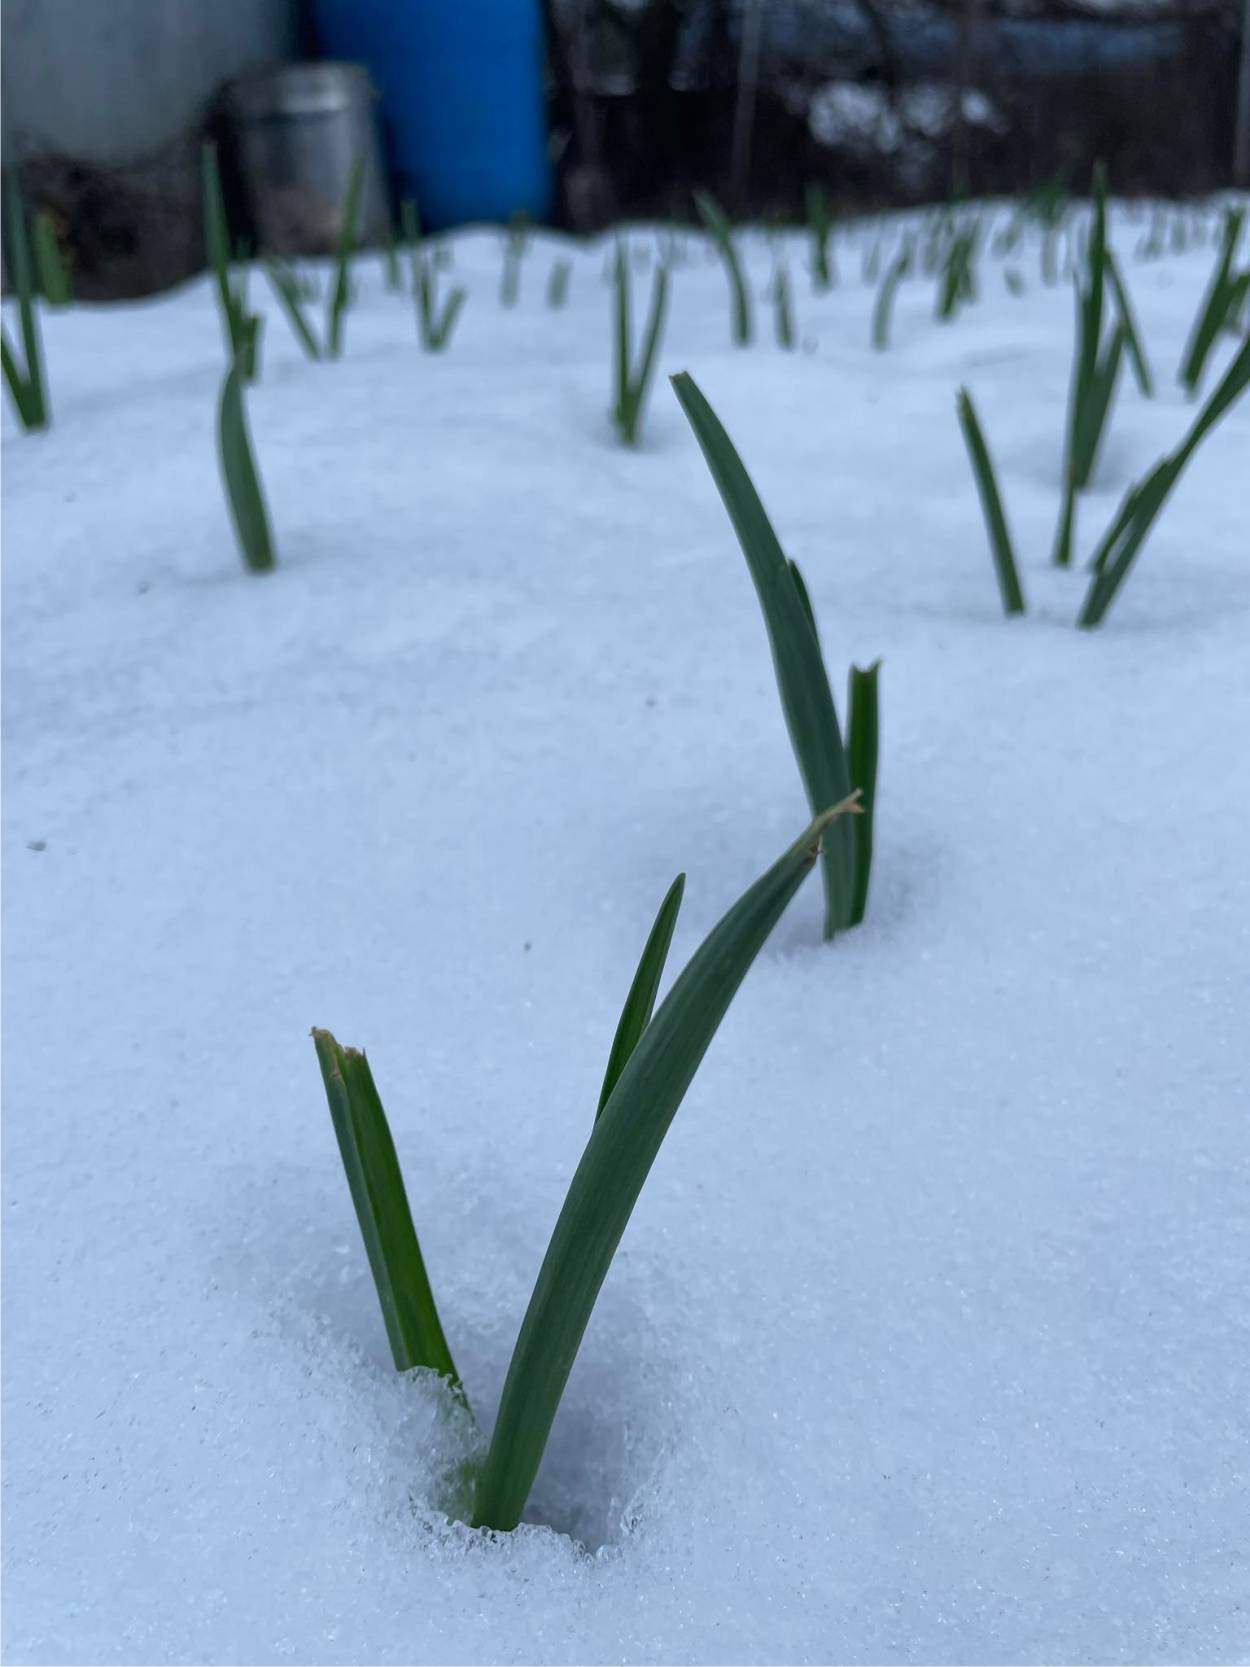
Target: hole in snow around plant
(612, 1427)
(586, 1477)
(597, 1461)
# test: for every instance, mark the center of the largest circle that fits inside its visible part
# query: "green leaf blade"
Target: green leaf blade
(1142, 505)
(1096, 410)
(377, 1187)
(883, 307)
(1214, 306)
(784, 311)
(558, 283)
(652, 335)
(442, 327)
(1001, 547)
(19, 390)
(820, 223)
(286, 287)
(806, 698)
(242, 481)
(216, 227)
(717, 224)
(863, 745)
(27, 385)
(640, 1002)
(240, 330)
(341, 293)
(1133, 343)
(1227, 391)
(800, 585)
(613, 1168)
(621, 311)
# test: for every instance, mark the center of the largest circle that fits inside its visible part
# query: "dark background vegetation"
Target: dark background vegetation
(647, 100)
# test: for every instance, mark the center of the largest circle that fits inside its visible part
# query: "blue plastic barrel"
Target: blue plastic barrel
(461, 83)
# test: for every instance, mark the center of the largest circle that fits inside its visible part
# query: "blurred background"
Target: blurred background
(580, 112)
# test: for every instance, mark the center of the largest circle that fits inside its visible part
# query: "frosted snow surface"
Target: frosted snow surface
(929, 1338)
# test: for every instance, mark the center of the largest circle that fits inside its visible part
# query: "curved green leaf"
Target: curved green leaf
(717, 223)
(883, 306)
(806, 698)
(1215, 304)
(636, 1014)
(863, 733)
(991, 505)
(377, 1188)
(1132, 336)
(615, 1164)
(287, 287)
(238, 469)
(341, 293)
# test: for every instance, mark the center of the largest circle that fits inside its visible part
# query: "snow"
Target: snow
(928, 1340)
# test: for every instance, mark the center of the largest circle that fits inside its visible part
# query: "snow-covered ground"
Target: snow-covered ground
(929, 1339)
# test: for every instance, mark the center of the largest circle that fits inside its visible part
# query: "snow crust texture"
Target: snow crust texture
(929, 1338)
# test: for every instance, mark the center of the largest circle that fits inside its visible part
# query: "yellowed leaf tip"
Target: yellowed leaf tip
(850, 806)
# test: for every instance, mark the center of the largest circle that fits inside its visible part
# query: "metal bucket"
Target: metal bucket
(298, 132)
